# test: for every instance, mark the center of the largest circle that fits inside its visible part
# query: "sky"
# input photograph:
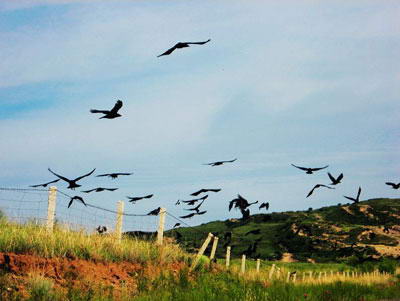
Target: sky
(312, 83)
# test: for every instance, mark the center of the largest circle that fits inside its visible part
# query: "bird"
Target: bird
(101, 229)
(240, 202)
(182, 45)
(134, 199)
(192, 202)
(155, 211)
(176, 225)
(217, 163)
(99, 189)
(264, 205)
(178, 202)
(78, 198)
(256, 231)
(318, 186)
(193, 214)
(205, 190)
(72, 183)
(113, 113)
(196, 208)
(45, 184)
(310, 170)
(394, 186)
(337, 180)
(357, 199)
(115, 175)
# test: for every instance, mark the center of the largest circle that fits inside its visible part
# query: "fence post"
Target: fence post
(201, 251)
(310, 274)
(294, 277)
(288, 277)
(243, 267)
(214, 247)
(258, 265)
(304, 276)
(120, 215)
(228, 256)
(271, 271)
(161, 223)
(51, 208)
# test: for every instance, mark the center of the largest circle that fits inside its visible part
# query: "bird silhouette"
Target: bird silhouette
(134, 199)
(76, 198)
(337, 180)
(182, 45)
(45, 184)
(101, 229)
(394, 185)
(176, 225)
(217, 163)
(192, 202)
(240, 202)
(196, 208)
(310, 170)
(264, 205)
(99, 189)
(113, 113)
(114, 175)
(357, 199)
(193, 214)
(72, 183)
(318, 186)
(155, 211)
(178, 202)
(205, 190)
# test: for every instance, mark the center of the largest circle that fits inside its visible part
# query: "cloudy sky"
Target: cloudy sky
(304, 82)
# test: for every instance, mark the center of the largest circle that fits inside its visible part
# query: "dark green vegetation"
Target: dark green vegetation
(327, 234)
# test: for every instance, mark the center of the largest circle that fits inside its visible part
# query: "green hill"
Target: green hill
(326, 234)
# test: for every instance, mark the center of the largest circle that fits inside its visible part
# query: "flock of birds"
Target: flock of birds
(238, 203)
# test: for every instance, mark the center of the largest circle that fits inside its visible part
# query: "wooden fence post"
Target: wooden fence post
(51, 208)
(288, 277)
(214, 247)
(294, 277)
(161, 223)
(243, 266)
(228, 256)
(118, 225)
(319, 276)
(310, 274)
(258, 265)
(304, 276)
(201, 251)
(271, 271)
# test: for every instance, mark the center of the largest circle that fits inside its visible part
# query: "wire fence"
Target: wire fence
(32, 206)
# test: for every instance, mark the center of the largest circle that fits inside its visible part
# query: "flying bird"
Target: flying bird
(99, 189)
(178, 202)
(337, 180)
(134, 199)
(205, 190)
(264, 205)
(176, 225)
(196, 208)
(115, 175)
(101, 229)
(394, 186)
(357, 199)
(182, 45)
(240, 202)
(45, 184)
(192, 202)
(193, 214)
(155, 211)
(217, 163)
(113, 113)
(310, 170)
(77, 198)
(318, 186)
(72, 183)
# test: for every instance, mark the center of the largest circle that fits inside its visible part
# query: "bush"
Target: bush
(388, 265)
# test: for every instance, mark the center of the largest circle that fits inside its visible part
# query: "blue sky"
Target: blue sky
(304, 82)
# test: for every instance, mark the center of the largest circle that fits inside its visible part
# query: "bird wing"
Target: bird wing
(331, 177)
(387, 183)
(231, 204)
(38, 185)
(197, 43)
(133, 199)
(117, 106)
(349, 198)
(230, 161)
(70, 202)
(82, 201)
(322, 185)
(200, 213)
(214, 190)
(340, 177)
(319, 168)
(86, 175)
(359, 192)
(168, 52)
(299, 167)
(103, 175)
(198, 192)
(148, 196)
(61, 177)
(111, 189)
(99, 111)
(187, 216)
(88, 191)
(312, 190)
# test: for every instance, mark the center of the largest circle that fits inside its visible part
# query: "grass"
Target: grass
(36, 240)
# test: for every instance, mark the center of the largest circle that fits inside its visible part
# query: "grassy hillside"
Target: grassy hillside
(333, 233)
